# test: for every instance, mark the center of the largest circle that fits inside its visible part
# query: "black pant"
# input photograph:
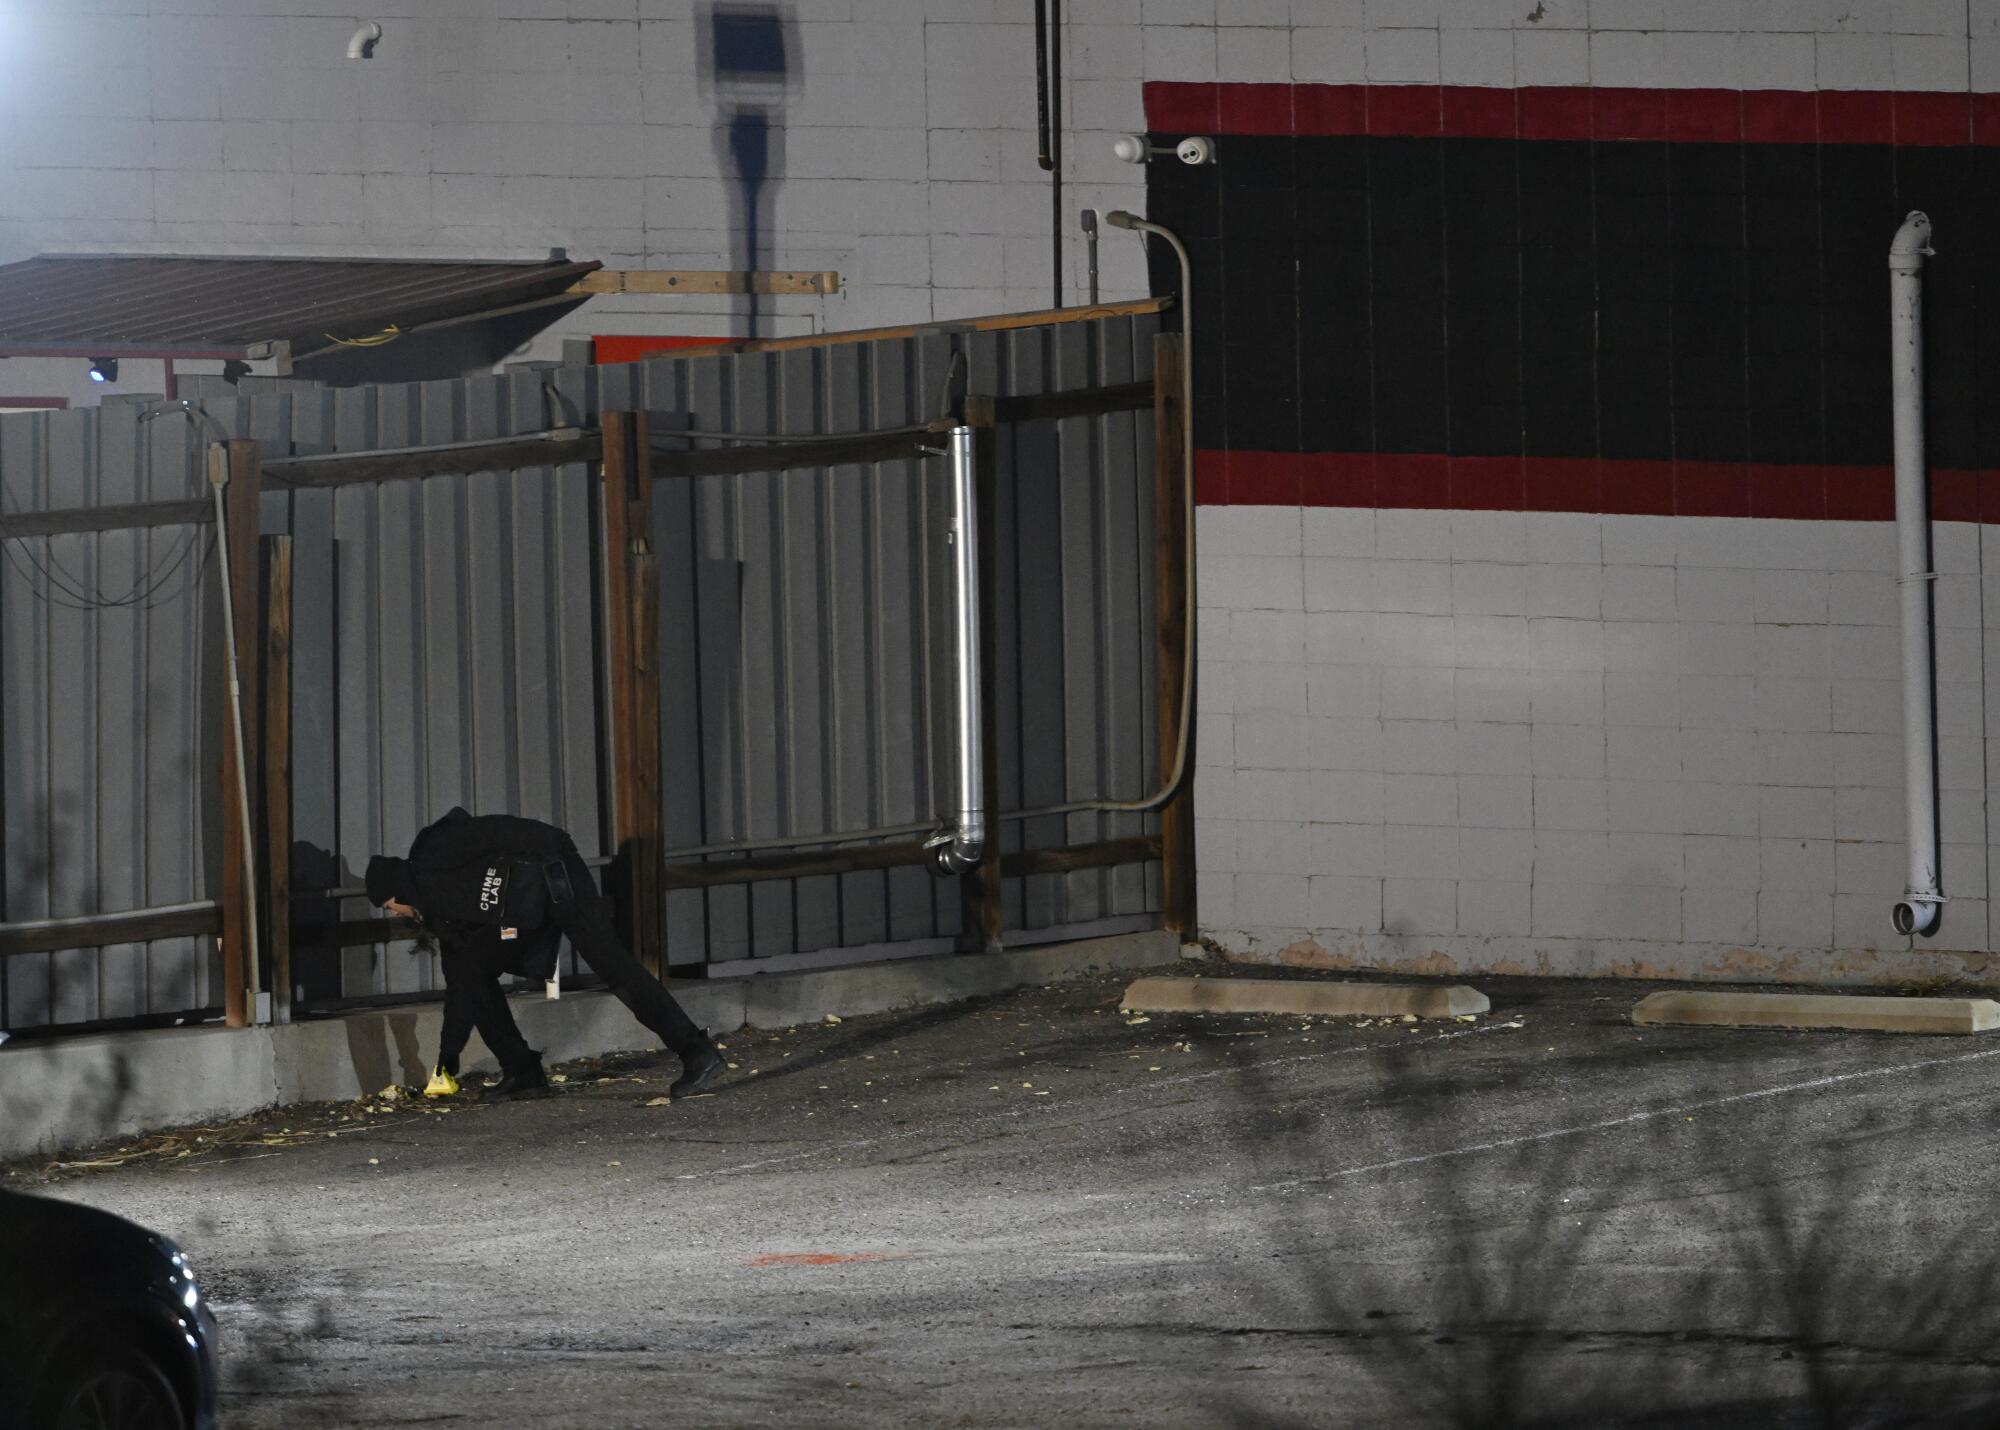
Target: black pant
(472, 999)
(586, 921)
(472, 983)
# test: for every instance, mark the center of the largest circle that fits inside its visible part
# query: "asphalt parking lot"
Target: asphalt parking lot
(1032, 1210)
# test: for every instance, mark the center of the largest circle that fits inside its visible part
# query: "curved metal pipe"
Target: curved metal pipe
(960, 848)
(1917, 912)
(1171, 786)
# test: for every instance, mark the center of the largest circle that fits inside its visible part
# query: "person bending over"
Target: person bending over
(499, 891)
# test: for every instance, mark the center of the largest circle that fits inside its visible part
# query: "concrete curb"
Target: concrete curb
(1818, 1010)
(1301, 998)
(75, 1091)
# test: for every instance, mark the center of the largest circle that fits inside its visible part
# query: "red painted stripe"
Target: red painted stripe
(1695, 116)
(1424, 480)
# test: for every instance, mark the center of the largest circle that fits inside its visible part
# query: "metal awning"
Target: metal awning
(248, 308)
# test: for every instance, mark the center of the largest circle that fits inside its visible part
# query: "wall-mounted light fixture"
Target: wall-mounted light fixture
(104, 369)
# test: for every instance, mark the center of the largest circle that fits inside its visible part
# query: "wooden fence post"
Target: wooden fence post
(277, 780)
(1170, 593)
(631, 572)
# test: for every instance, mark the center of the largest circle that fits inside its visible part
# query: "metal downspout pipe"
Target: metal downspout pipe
(961, 847)
(1917, 913)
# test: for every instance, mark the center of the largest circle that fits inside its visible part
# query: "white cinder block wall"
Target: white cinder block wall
(1545, 742)
(1447, 741)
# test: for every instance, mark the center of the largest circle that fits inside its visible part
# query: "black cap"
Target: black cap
(390, 879)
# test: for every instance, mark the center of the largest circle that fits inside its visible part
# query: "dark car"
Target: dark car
(101, 1324)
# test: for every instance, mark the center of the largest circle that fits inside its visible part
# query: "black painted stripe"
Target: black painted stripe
(1623, 301)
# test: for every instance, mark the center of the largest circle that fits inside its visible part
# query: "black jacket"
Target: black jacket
(480, 883)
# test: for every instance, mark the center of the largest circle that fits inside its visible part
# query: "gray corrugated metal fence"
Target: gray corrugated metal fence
(446, 650)
(106, 735)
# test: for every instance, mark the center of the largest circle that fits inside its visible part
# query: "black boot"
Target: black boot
(520, 1083)
(698, 1070)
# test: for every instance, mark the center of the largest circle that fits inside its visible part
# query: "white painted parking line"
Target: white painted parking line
(1629, 1120)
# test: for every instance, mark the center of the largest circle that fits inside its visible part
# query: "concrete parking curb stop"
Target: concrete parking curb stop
(1817, 1010)
(1301, 998)
(74, 1091)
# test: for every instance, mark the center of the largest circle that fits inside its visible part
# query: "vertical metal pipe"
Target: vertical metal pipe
(1090, 249)
(960, 849)
(1042, 83)
(1918, 911)
(1055, 151)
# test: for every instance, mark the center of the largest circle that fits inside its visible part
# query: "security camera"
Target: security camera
(1134, 149)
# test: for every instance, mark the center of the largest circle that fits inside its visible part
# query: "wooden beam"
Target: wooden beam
(846, 449)
(616, 488)
(242, 501)
(278, 770)
(365, 933)
(983, 914)
(1135, 849)
(703, 280)
(1054, 406)
(56, 936)
(127, 516)
(996, 323)
(805, 863)
(791, 864)
(1171, 633)
(642, 821)
(555, 448)
(857, 448)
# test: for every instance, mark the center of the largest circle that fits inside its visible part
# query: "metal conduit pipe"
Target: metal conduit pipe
(1918, 911)
(218, 478)
(1119, 218)
(85, 921)
(959, 848)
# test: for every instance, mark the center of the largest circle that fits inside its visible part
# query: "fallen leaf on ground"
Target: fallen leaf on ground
(558, 1077)
(659, 1101)
(1135, 1022)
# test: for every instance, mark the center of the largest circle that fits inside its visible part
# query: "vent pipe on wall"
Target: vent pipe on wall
(960, 848)
(1918, 911)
